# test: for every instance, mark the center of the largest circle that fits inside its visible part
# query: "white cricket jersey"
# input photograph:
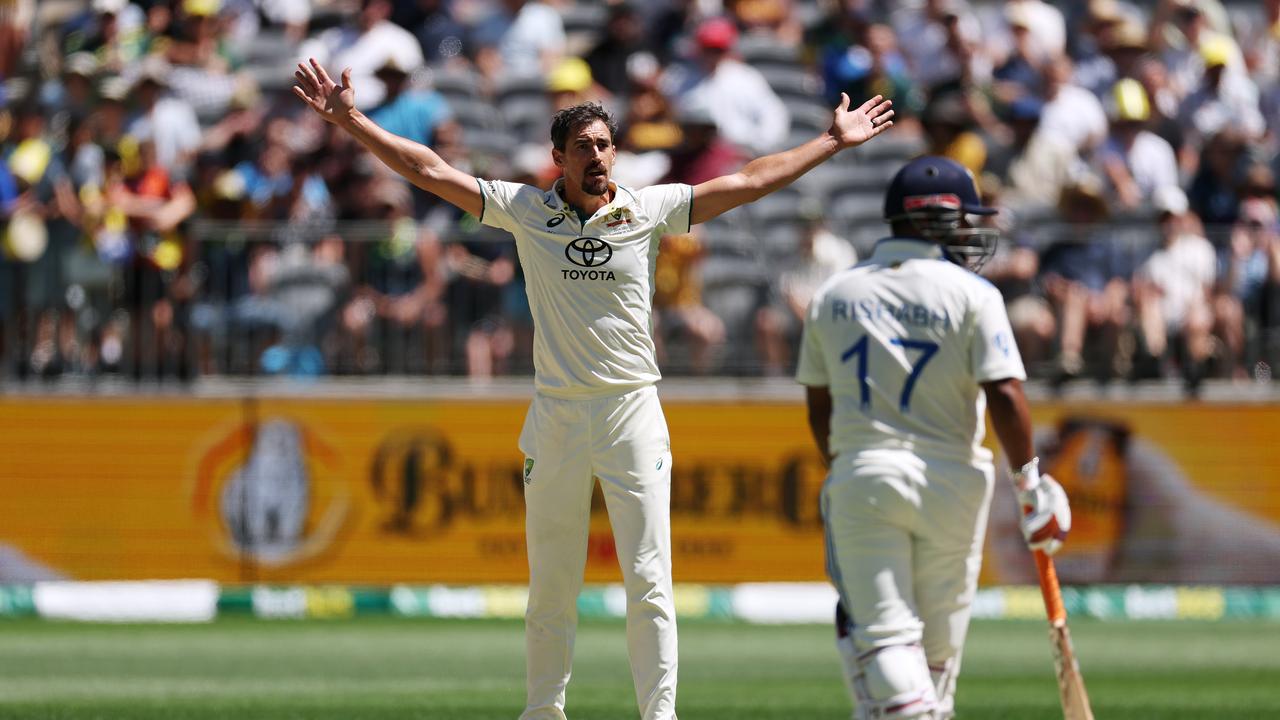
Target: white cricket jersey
(590, 286)
(903, 340)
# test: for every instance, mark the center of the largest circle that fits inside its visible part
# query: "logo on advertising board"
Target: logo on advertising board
(273, 492)
(423, 486)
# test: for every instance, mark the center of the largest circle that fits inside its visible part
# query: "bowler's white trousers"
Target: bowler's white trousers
(904, 547)
(622, 440)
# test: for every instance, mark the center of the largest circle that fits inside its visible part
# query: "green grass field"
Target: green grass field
(392, 668)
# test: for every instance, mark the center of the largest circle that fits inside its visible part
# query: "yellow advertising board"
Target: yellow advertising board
(424, 491)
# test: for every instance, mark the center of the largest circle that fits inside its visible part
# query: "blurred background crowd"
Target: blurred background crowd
(170, 210)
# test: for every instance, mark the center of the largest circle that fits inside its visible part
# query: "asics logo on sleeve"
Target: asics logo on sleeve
(588, 252)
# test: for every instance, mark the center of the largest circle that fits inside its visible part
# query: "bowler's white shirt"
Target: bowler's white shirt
(906, 310)
(590, 286)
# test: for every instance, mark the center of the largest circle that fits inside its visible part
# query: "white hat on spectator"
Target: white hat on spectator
(1170, 199)
(530, 159)
(1105, 11)
(109, 7)
(113, 88)
(1018, 16)
(81, 63)
(154, 69)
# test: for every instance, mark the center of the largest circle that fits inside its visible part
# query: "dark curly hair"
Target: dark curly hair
(575, 116)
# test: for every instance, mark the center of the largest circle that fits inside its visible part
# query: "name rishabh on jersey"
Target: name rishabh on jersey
(590, 285)
(903, 340)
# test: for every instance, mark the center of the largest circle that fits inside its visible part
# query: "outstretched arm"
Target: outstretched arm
(416, 163)
(766, 174)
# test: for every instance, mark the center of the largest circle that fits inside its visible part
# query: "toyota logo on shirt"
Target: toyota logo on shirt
(588, 252)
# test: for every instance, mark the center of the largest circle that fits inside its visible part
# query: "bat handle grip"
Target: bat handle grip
(1049, 589)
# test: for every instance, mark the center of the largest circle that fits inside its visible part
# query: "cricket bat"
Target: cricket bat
(1075, 701)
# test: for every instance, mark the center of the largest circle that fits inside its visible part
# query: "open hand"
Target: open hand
(331, 101)
(854, 127)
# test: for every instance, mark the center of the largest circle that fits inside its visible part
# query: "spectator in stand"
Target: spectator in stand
(1223, 98)
(1164, 110)
(1021, 72)
(78, 97)
(411, 113)
(479, 264)
(650, 130)
(408, 112)
(1037, 165)
(202, 63)
(1013, 271)
(1071, 112)
(115, 32)
(1093, 43)
(1044, 23)
(307, 289)
(952, 131)
(268, 182)
(819, 255)
(1138, 163)
(862, 59)
(1180, 31)
(244, 117)
(677, 302)
(623, 38)
(970, 66)
(365, 47)
(1250, 273)
(746, 110)
(670, 27)
(111, 119)
(37, 191)
(146, 207)
(702, 153)
(923, 36)
(1172, 292)
(432, 22)
(1121, 52)
(1258, 30)
(15, 24)
(1085, 276)
(166, 121)
(532, 38)
(404, 287)
(1214, 189)
(293, 15)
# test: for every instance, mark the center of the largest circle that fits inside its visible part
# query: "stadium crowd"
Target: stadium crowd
(169, 209)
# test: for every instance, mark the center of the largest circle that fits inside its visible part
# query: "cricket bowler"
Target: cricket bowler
(588, 248)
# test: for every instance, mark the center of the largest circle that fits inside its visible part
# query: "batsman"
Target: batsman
(588, 248)
(902, 355)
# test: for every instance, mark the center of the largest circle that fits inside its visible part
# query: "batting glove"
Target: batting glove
(1046, 515)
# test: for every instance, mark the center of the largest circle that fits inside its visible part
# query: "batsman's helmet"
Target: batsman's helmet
(938, 197)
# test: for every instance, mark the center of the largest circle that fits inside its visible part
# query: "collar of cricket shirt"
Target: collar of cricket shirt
(892, 249)
(623, 198)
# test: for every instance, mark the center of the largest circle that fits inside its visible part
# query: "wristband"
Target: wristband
(1028, 476)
